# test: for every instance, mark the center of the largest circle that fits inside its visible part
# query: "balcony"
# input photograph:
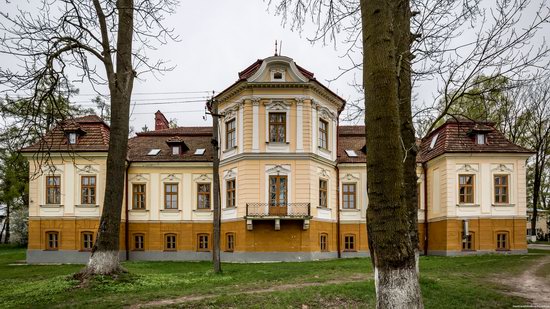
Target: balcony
(278, 212)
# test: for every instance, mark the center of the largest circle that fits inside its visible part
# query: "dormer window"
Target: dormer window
(480, 139)
(278, 75)
(177, 145)
(176, 150)
(72, 138)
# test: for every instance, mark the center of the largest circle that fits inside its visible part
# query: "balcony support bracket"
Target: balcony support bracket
(277, 224)
(249, 226)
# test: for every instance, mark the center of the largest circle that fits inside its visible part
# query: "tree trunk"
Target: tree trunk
(393, 255)
(105, 253)
(7, 237)
(216, 192)
(536, 190)
(2, 231)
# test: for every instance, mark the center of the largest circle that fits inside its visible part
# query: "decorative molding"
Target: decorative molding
(255, 101)
(87, 169)
(171, 177)
(276, 104)
(350, 177)
(467, 168)
(502, 168)
(230, 174)
(324, 173)
(277, 169)
(202, 178)
(325, 113)
(51, 169)
(139, 177)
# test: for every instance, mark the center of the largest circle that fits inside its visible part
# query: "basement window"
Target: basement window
(200, 151)
(351, 153)
(153, 152)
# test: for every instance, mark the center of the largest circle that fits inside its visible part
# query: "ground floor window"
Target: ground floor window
(202, 242)
(230, 242)
(467, 242)
(52, 240)
(170, 242)
(323, 242)
(502, 241)
(349, 243)
(87, 241)
(139, 241)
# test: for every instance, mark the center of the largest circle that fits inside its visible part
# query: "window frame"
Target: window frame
(277, 125)
(323, 134)
(55, 187)
(470, 242)
(88, 199)
(278, 190)
(497, 199)
(466, 186)
(207, 193)
(352, 242)
(200, 248)
(49, 242)
(231, 134)
(506, 241)
(230, 242)
(84, 241)
(230, 193)
(323, 193)
(346, 205)
(168, 244)
(135, 237)
(323, 242)
(70, 137)
(136, 194)
(171, 193)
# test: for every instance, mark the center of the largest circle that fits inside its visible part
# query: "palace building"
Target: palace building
(293, 182)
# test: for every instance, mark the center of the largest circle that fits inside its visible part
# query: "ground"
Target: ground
(489, 281)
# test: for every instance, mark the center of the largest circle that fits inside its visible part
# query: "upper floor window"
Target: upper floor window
(348, 196)
(466, 189)
(203, 196)
(323, 134)
(87, 241)
(230, 193)
(138, 198)
(480, 139)
(501, 188)
(72, 138)
(278, 191)
(277, 127)
(53, 189)
(176, 150)
(52, 240)
(88, 189)
(171, 196)
(230, 134)
(323, 190)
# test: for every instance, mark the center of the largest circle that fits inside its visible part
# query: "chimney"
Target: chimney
(160, 121)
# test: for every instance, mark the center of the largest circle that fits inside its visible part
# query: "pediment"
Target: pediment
(278, 64)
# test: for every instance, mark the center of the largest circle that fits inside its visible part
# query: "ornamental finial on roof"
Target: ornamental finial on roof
(275, 47)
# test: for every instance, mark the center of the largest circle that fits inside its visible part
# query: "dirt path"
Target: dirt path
(530, 286)
(282, 287)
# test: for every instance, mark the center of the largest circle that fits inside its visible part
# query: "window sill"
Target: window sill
(229, 149)
(203, 210)
(138, 210)
(170, 210)
(230, 208)
(324, 208)
(86, 206)
(504, 205)
(467, 205)
(277, 143)
(349, 210)
(325, 150)
(52, 206)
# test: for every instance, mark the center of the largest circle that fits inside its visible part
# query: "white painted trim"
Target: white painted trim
(240, 125)
(299, 77)
(299, 125)
(255, 124)
(284, 170)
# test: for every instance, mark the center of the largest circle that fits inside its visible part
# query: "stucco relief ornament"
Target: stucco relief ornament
(323, 173)
(503, 168)
(203, 178)
(350, 177)
(255, 101)
(278, 169)
(230, 174)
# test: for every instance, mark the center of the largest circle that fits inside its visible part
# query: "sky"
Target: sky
(217, 39)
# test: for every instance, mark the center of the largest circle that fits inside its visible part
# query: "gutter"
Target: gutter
(126, 225)
(424, 170)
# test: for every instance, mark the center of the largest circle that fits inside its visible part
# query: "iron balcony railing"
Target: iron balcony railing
(294, 210)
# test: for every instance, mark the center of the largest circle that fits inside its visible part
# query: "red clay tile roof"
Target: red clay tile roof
(351, 138)
(93, 136)
(456, 137)
(193, 137)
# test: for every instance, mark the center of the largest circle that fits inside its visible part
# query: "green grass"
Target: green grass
(447, 282)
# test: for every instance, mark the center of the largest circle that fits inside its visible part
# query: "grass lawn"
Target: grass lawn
(457, 282)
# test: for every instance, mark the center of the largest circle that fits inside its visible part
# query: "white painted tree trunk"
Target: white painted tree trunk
(104, 263)
(397, 288)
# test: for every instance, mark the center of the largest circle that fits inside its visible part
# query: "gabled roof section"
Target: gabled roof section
(192, 137)
(93, 136)
(458, 136)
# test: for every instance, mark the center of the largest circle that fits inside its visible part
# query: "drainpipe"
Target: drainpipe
(126, 226)
(338, 245)
(425, 171)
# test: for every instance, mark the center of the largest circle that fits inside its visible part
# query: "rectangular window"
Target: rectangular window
(230, 242)
(138, 192)
(53, 190)
(323, 242)
(230, 193)
(202, 242)
(501, 189)
(72, 138)
(203, 196)
(502, 241)
(467, 242)
(278, 190)
(87, 241)
(139, 242)
(170, 196)
(87, 185)
(52, 240)
(349, 243)
(176, 150)
(348, 196)
(170, 242)
(323, 134)
(277, 127)
(323, 188)
(466, 189)
(230, 134)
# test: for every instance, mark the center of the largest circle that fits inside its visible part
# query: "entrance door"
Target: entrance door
(278, 186)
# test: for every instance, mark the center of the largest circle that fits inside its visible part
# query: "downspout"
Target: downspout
(126, 226)
(425, 171)
(338, 240)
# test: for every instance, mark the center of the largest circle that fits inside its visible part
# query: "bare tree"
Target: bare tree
(75, 35)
